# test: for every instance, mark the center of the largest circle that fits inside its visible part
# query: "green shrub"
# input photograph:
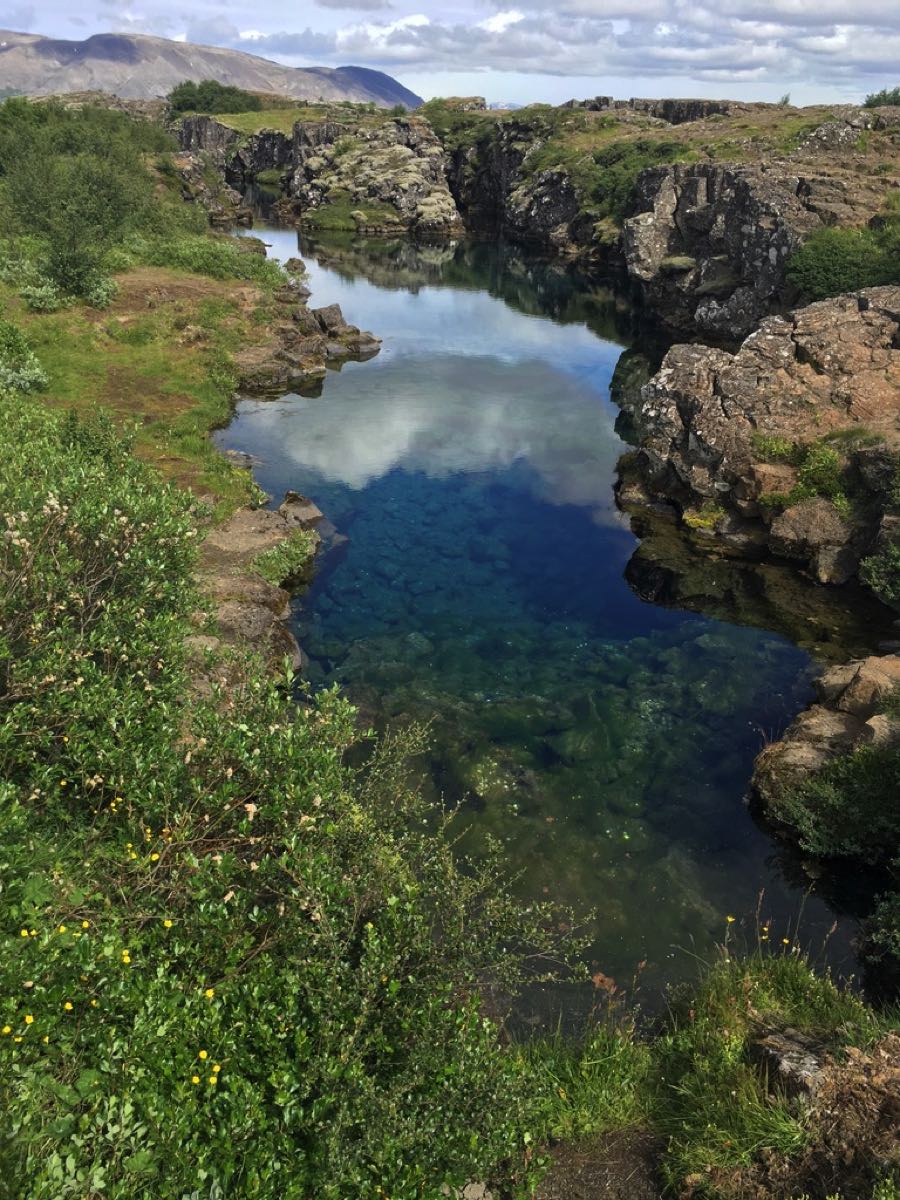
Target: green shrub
(832, 261)
(884, 97)
(74, 179)
(848, 809)
(253, 970)
(20, 370)
(210, 96)
(769, 448)
(881, 572)
(621, 163)
(290, 561)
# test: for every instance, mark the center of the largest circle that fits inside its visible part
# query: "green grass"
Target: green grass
(291, 561)
(340, 212)
(713, 1107)
(283, 119)
(600, 1083)
(132, 362)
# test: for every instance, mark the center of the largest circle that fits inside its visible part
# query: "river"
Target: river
(604, 741)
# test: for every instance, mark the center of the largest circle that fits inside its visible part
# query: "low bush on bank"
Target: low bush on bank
(20, 370)
(74, 180)
(832, 261)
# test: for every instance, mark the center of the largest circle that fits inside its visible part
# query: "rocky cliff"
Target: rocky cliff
(789, 444)
(705, 235)
(366, 174)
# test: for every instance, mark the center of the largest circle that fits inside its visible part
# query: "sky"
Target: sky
(522, 51)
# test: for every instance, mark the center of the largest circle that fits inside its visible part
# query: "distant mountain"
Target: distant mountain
(137, 67)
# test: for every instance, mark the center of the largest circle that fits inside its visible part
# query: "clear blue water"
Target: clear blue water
(605, 741)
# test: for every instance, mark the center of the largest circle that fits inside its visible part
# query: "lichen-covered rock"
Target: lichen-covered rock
(736, 225)
(203, 183)
(848, 699)
(390, 176)
(832, 367)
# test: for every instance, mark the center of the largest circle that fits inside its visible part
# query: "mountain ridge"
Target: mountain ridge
(143, 67)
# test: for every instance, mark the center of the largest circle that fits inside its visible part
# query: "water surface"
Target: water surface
(606, 741)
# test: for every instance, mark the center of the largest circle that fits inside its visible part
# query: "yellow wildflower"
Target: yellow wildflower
(17, 1039)
(217, 1068)
(195, 1079)
(213, 1079)
(94, 1003)
(167, 924)
(68, 1006)
(203, 1054)
(62, 929)
(730, 920)
(46, 1039)
(7, 1029)
(85, 924)
(23, 933)
(29, 1020)
(209, 993)
(154, 858)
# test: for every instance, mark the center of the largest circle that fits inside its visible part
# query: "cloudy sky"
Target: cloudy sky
(521, 50)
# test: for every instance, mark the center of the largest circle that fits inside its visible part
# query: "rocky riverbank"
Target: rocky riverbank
(789, 445)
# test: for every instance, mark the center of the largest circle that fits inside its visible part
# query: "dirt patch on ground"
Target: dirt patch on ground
(854, 1122)
(616, 1166)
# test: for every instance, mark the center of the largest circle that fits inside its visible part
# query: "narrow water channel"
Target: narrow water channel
(605, 741)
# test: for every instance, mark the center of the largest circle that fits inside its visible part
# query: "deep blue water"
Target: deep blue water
(605, 741)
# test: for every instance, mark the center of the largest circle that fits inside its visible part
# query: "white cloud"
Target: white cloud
(501, 21)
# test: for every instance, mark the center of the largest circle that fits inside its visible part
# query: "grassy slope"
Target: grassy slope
(158, 357)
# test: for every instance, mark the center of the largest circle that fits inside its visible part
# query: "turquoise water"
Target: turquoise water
(607, 742)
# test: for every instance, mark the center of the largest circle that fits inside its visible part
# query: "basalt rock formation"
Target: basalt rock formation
(731, 435)
(708, 244)
(375, 176)
(848, 713)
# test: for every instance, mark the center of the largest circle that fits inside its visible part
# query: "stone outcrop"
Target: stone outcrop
(710, 419)
(250, 611)
(671, 111)
(396, 166)
(708, 244)
(848, 713)
(201, 183)
(386, 176)
(301, 348)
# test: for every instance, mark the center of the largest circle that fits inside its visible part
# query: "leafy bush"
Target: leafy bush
(253, 970)
(885, 96)
(74, 179)
(42, 297)
(210, 96)
(881, 572)
(219, 257)
(848, 808)
(20, 370)
(832, 261)
(289, 562)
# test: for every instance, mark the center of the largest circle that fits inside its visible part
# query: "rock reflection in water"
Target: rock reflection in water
(606, 741)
